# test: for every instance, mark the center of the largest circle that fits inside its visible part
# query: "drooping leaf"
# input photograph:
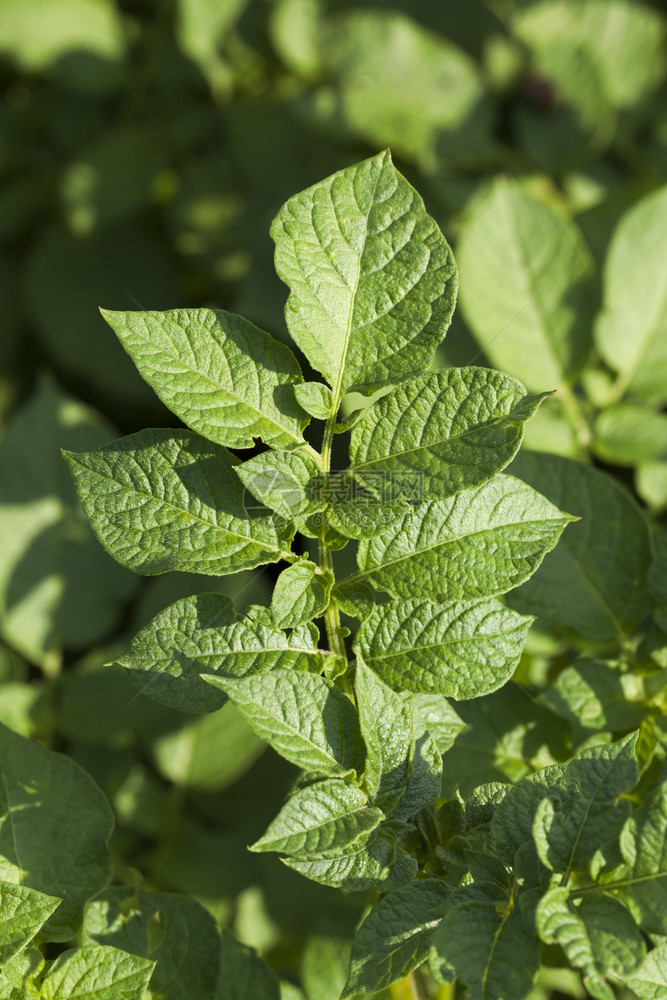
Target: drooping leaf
(224, 377)
(325, 817)
(306, 718)
(492, 948)
(54, 828)
(97, 973)
(57, 587)
(644, 847)
(599, 936)
(301, 593)
(403, 765)
(443, 432)
(204, 635)
(163, 500)
(458, 650)
(23, 912)
(175, 932)
(396, 935)
(479, 543)
(524, 277)
(243, 974)
(631, 332)
(365, 266)
(595, 581)
(568, 833)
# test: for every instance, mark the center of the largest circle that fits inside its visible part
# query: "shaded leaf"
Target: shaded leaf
(97, 973)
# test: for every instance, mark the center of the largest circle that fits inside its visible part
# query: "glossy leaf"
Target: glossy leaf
(365, 266)
(458, 650)
(220, 374)
(164, 500)
(204, 635)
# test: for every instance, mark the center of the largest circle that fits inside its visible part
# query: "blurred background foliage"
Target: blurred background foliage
(145, 146)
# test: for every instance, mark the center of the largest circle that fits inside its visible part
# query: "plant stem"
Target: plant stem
(404, 989)
(575, 415)
(446, 991)
(331, 615)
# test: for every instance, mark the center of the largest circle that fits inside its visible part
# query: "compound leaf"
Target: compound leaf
(224, 377)
(479, 543)
(396, 935)
(97, 973)
(204, 635)
(23, 912)
(327, 816)
(54, 828)
(443, 432)
(458, 650)
(163, 500)
(306, 718)
(366, 267)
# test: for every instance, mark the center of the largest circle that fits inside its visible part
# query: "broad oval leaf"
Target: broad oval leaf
(301, 593)
(459, 650)
(479, 543)
(224, 377)
(288, 483)
(97, 973)
(54, 827)
(305, 718)
(321, 818)
(366, 267)
(163, 500)
(396, 935)
(204, 635)
(524, 286)
(631, 332)
(596, 580)
(23, 912)
(442, 432)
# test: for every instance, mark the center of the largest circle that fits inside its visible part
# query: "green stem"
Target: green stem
(446, 991)
(331, 615)
(575, 416)
(404, 989)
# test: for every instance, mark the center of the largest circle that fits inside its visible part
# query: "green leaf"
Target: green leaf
(57, 587)
(224, 377)
(165, 500)
(458, 650)
(36, 37)
(175, 932)
(599, 936)
(440, 719)
(379, 862)
(631, 332)
(20, 977)
(305, 718)
(492, 948)
(327, 816)
(403, 765)
(315, 398)
(97, 973)
(595, 581)
(396, 935)
(366, 266)
(479, 543)
(301, 593)
(649, 982)
(290, 483)
(54, 828)
(512, 822)
(644, 848)
(628, 434)
(243, 974)
(204, 635)
(524, 285)
(595, 695)
(440, 433)
(23, 912)
(568, 833)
